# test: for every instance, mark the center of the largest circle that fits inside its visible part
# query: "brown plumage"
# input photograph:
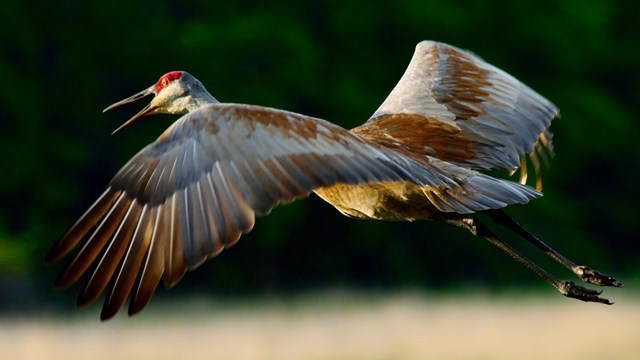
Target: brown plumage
(198, 187)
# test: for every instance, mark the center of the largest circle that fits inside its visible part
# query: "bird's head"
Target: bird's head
(176, 92)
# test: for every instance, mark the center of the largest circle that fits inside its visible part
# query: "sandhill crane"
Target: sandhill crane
(185, 197)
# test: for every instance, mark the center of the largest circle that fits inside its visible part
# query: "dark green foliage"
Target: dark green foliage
(62, 62)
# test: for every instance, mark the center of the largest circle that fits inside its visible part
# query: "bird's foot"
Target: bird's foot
(597, 278)
(570, 289)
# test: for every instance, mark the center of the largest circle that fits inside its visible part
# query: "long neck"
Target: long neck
(201, 99)
(190, 103)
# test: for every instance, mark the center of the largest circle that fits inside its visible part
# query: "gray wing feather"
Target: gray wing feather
(501, 116)
(194, 191)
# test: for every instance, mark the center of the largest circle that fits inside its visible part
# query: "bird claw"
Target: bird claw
(597, 278)
(570, 289)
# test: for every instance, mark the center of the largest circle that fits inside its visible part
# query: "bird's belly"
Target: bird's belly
(381, 201)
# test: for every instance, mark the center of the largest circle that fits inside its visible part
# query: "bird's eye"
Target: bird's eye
(164, 82)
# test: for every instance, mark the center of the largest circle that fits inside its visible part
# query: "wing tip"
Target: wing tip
(65, 279)
(425, 44)
(53, 256)
(108, 312)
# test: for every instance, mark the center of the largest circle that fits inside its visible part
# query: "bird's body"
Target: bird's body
(196, 189)
(393, 201)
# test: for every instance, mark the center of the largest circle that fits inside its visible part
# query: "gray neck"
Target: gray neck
(190, 103)
(203, 98)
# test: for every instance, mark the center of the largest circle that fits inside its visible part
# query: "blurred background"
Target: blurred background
(62, 62)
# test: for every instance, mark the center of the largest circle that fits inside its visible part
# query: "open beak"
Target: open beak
(149, 109)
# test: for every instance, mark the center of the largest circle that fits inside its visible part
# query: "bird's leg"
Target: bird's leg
(583, 272)
(566, 288)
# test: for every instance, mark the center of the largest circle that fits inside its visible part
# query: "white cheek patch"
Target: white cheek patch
(178, 105)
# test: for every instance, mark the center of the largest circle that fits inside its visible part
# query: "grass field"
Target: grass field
(339, 325)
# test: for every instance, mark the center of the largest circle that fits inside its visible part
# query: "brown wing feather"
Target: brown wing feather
(491, 116)
(107, 265)
(131, 262)
(418, 134)
(152, 268)
(196, 189)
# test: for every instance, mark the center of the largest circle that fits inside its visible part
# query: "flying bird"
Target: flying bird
(196, 189)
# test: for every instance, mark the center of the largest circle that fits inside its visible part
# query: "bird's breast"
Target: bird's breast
(394, 201)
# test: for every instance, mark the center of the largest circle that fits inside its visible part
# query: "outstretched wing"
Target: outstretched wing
(452, 105)
(195, 190)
